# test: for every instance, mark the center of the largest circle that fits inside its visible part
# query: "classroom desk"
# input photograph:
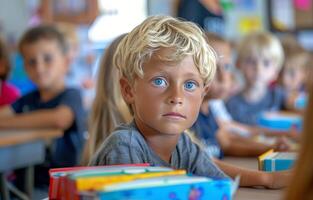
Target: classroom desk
(22, 149)
(251, 193)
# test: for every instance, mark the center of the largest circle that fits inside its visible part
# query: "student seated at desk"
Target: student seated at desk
(164, 77)
(294, 75)
(52, 105)
(8, 93)
(259, 59)
(214, 127)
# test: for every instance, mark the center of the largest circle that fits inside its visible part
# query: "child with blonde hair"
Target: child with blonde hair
(164, 76)
(259, 58)
(214, 127)
(108, 109)
(293, 77)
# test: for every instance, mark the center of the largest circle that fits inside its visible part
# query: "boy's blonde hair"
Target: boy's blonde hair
(261, 44)
(156, 32)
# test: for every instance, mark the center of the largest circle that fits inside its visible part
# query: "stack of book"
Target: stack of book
(134, 182)
(272, 161)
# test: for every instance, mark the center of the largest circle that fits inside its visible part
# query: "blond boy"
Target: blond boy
(166, 66)
(164, 76)
(260, 57)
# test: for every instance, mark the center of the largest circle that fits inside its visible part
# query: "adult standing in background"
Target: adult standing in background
(206, 13)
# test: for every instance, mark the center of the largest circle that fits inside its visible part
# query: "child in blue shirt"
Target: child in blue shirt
(52, 105)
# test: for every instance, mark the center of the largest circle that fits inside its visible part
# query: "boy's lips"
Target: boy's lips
(174, 115)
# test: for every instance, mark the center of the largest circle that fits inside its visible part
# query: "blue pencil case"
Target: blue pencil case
(277, 121)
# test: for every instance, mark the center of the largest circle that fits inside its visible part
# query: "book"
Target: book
(279, 121)
(272, 161)
(98, 179)
(57, 183)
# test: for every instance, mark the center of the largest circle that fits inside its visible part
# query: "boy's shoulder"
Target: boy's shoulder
(235, 99)
(32, 101)
(125, 134)
(34, 95)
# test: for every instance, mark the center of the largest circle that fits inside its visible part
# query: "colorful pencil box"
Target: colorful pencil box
(181, 187)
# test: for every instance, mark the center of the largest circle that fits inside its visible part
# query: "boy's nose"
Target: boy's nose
(176, 101)
(176, 96)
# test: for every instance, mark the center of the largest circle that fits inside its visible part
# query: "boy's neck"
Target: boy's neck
(162, 144)
(50, 93)
(254, 93)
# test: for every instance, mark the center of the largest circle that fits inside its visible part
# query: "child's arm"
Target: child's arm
(6, 111)
(234, 145)
(253, 178)
(60, 117)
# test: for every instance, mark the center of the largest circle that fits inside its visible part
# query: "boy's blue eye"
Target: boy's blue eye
(159, 82)
(190, 85)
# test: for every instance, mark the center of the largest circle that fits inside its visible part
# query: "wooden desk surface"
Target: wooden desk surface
(13, 137)
(252, 193)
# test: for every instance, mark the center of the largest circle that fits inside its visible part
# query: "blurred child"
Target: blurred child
(259, 58)
(164, 77)
(214, 125)
(293, 75)
(51, 106)
(108, 109)
(80, 71)
(223, 86)
(301, 183)
(8, 93)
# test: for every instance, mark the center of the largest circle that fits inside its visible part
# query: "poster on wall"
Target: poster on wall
(282, 15)
(117, 17)
(290, 15)
(303, 10)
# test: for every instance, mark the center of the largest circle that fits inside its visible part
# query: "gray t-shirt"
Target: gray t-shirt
(246, 112)
(126, 145)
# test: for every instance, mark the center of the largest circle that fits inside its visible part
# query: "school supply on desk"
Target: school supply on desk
(181, 187)
(272, 161)
(98, 179)
(58, 176)
(301, 101)
(279, 121)
(135, 182)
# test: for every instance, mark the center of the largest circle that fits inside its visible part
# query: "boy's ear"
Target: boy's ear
(127, 91)
(206, 90)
